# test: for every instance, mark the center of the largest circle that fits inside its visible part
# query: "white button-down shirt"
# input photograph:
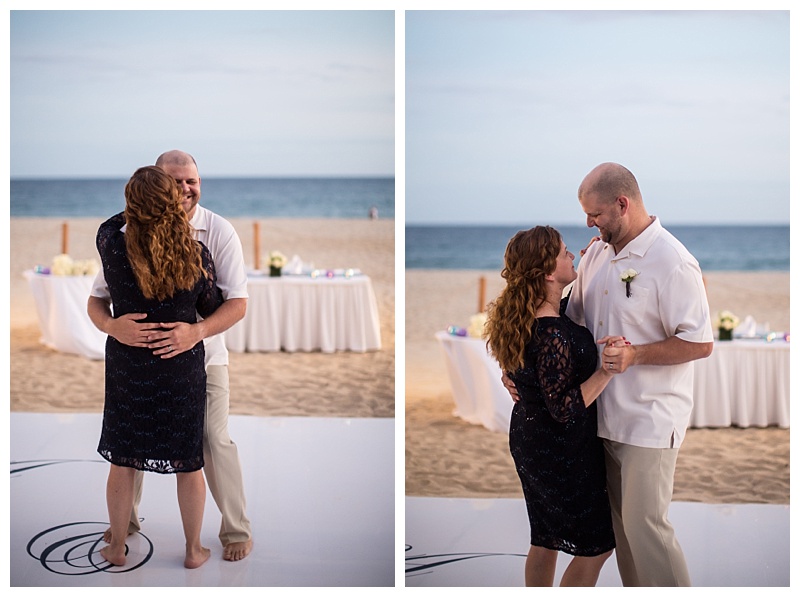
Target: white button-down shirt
(647, 405)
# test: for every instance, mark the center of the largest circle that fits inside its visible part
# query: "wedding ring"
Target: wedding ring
(611, 365)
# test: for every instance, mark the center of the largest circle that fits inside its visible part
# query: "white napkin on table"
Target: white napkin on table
(747, 327)
(297, 266)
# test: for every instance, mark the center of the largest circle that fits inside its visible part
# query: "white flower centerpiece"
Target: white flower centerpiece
(477, 323)
(64, 265)
(726, 322)
(276, 261)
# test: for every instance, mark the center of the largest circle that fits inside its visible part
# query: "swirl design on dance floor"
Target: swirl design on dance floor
(74, 549)
(422, 563)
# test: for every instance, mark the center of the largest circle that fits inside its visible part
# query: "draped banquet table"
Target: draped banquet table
(744, 383)
(301, 313)
(474, 376)
(292, 313)
(61, 307)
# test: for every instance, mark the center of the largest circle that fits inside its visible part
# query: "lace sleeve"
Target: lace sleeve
(107, 229)
(556, 371)
(210, 296)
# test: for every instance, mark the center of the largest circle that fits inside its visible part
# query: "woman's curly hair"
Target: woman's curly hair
(530, 256)
(161, 248)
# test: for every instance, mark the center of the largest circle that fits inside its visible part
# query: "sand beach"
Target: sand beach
(444, 456)
(342, 384)
(448, 457)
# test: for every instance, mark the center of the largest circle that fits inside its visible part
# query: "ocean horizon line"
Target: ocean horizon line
(55, 178)
(325, 197)
(238, 217)
(581, 225)
(717, 246)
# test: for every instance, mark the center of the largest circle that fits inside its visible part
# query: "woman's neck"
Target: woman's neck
(551, 304)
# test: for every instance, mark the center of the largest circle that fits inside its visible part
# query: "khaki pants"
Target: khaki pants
(222, 468)
(640, 490)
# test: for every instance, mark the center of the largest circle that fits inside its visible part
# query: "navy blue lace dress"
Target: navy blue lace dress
(554, 443)
(154, 408)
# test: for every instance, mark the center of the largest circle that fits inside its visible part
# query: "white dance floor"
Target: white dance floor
(320, 497)
(483, 542)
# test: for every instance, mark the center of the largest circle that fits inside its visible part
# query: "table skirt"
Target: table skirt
(304, 314)
(63, 321)
(744, 383)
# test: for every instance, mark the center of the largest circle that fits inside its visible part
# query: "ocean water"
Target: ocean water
(717, 248)
(229, 197)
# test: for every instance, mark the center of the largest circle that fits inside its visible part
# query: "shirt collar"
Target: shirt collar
(639, 245)
(199, 220)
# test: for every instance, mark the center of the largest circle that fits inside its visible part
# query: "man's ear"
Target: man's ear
(624, 203)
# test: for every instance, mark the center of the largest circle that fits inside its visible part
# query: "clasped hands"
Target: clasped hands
(616, 357)
(165, 339)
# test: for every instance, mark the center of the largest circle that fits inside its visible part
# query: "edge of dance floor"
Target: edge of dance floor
(457, 542)
(320, 497)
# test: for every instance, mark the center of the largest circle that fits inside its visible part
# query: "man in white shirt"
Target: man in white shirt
(222, 466)
(640, 282)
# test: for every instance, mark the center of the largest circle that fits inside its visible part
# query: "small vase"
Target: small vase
(274, 272)
(725, 334)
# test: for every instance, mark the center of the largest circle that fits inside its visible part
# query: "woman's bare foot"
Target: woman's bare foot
(113, 556)
(196, 557)
(237, 551)
(108, 536)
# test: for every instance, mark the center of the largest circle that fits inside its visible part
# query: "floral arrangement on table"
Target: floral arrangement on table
(276, 261)
(64, 265)
(476, 325)
(726, 322)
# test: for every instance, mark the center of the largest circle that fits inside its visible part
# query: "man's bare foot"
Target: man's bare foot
(114, 557)
(196, 557)
(237, 551)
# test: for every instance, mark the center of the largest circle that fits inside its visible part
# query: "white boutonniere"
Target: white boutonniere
(627, 276)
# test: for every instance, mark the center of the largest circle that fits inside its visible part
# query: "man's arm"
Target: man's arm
(672, 351)
(179, 336)
(126, 328)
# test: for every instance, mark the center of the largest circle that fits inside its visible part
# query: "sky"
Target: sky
(499, 114)
(506, 112)
(248, 93)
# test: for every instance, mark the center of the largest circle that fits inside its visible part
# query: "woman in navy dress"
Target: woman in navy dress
(155, 407)
(553, 431)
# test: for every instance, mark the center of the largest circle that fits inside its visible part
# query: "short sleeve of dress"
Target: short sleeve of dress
(210, 297)
(107, 229)
(556, 370)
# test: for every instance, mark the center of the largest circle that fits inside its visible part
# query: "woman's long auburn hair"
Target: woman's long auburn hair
(530, 256)
(161, 248)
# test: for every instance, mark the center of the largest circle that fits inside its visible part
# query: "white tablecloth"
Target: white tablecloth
(61, 307)
(300, 313)
(478, 391)
(743, 383)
